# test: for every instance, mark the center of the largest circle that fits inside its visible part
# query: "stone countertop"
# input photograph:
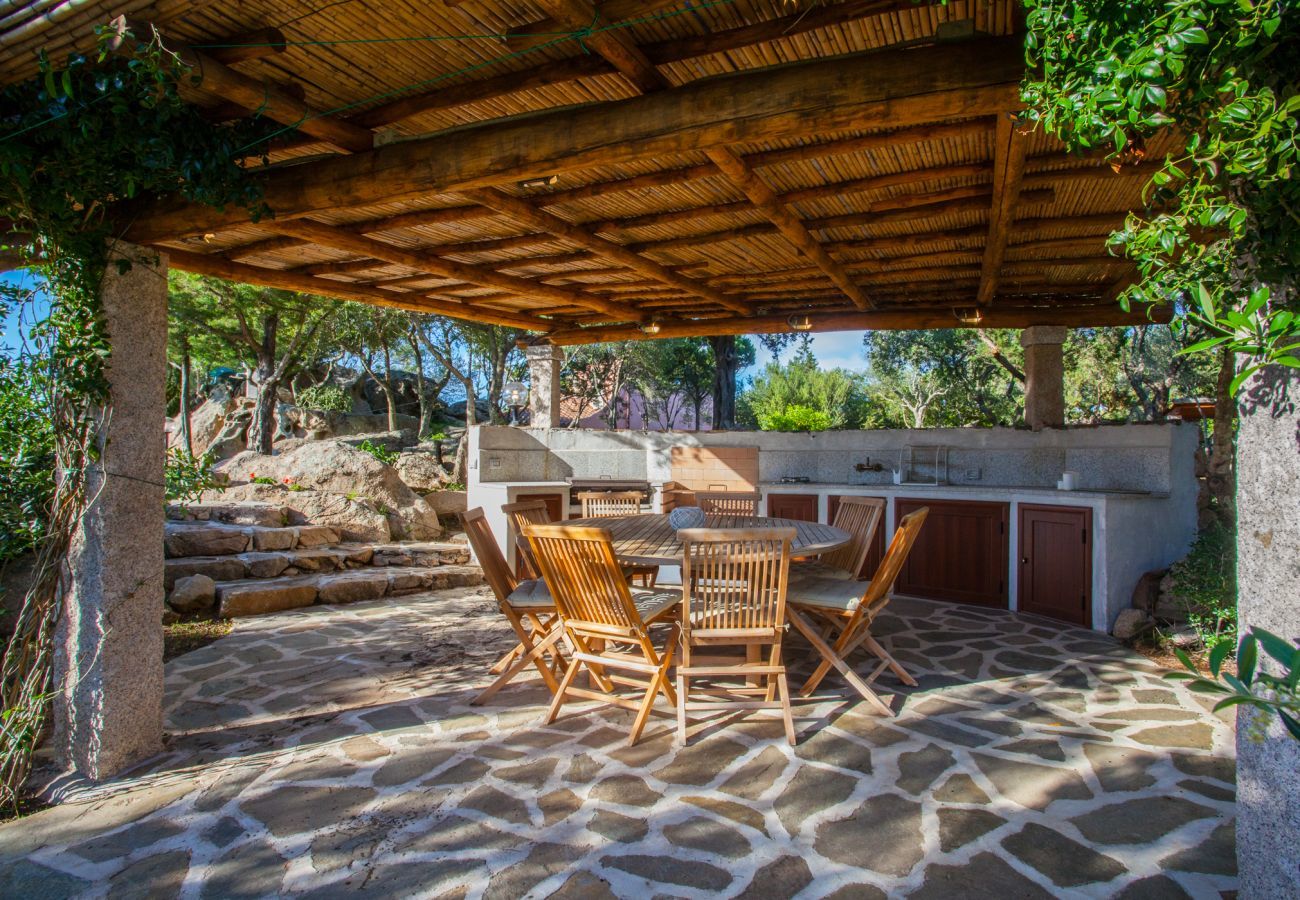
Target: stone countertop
(979, 488)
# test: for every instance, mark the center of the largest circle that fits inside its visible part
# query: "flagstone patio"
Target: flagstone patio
(331, 752)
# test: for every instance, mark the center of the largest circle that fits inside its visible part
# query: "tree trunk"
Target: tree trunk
(1221, 476)
(390, 396)
(420, 388)
(187, 434)
(724, 382)
(261, 431)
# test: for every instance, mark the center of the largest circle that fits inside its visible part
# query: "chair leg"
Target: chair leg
(888, 658)
(532, 657)
(783, 690)
(834, 661)
(681, 707)
(507, 658)
(558, 701)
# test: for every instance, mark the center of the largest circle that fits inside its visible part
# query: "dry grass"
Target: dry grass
(182, 637)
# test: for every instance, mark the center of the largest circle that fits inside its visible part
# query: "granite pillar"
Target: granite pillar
(544, 364)
(1044, 376)
(108, 659)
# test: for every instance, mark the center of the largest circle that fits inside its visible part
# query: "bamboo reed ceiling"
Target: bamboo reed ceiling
(711, 166)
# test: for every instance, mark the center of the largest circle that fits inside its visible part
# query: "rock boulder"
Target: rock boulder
(195, 594)
(421, 471)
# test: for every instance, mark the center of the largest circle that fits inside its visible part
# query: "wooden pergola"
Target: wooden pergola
(640, 168)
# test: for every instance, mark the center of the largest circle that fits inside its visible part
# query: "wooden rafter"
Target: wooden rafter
(786, 222)
(889, 88)
(239, 48)
(329, 236)
(1009, 147)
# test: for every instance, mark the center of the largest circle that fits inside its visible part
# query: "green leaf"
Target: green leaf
(1246, 660)
(1206, 301)
(1217, 656)
(1291, 724)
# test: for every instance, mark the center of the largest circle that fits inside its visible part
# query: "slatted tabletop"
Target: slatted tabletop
(650, 540)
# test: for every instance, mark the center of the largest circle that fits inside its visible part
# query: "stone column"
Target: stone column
(109, 672)
(1268, 571)
(1044, 376)
(544, 363)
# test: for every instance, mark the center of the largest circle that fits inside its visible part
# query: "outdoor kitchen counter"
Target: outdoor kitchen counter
(998, 491)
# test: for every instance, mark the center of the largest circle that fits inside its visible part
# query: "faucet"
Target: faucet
(868, 466)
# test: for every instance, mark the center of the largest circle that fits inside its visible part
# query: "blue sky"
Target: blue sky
(834, 350)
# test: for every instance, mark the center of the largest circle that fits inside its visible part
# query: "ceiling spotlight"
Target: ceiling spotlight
(800, 322)
(651, 328)
(544, 181)
(969, 315)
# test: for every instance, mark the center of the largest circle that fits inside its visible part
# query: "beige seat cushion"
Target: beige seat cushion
(839, 594)
(531, 595)
(817, 569)
(651, 602)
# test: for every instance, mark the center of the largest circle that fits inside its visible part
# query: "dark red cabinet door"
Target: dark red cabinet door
(877, 551)
(555, 504)
(800, 507)
(960, 554)
(1056, 562)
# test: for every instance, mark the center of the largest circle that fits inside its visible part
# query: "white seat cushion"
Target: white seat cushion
(817, 569)
(839, 594)
(650, 602)
(531, 595)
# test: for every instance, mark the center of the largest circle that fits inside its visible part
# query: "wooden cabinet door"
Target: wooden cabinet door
(960, 554)
(802, 507)
(556, 504)
(1056, 562)
(877, 551)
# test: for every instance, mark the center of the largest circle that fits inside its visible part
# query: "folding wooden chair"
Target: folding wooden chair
(527, 605)
(607, 504)
(842, 607)
(860, 517)
(605, 621)
(728, 503)
(734, 594)
(520, 515)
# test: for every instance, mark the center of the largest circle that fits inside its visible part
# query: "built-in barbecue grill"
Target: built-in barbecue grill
(580, 485)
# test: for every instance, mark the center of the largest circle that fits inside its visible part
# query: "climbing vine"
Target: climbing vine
(79, 145)
(1212, 85)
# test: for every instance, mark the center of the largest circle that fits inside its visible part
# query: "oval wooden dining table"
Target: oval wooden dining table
(648, 539)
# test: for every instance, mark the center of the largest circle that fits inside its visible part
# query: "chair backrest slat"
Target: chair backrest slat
(728, 503)
(583, 576)
(735, 577)
(860, 517)
(495, 570)
(520, 515)
(603, 504)
(895, 557)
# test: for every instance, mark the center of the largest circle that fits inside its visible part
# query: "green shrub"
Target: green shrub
(1205, 582)
(794, 418)
(326, 398)
(378, 451)
(187, 476)
(26, 458)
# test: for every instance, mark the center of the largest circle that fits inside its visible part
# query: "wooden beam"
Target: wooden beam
(887, 88)
(210, 264)
(522, 210)
(276, 104)
(1009, 147)
(876, 320)
(789, 225)
(614, 45)
(330, 236)
(533, 34)
(257, 44)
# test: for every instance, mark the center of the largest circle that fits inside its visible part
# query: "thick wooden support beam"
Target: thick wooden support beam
(523, 211)
(330, 236)
(614, 45)
(274, 103)
(791, 228)
(542, 31)
(210, 264)
(878, 320)
(250, 45)
(882, 89)
(1009, 148)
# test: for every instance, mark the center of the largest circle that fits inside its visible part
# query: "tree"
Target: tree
(912, 391)
(270, 331)
(1220, 77)
(372, 335)
(730, 354)
(429, 392)
(591, 378)
(495, 345)
(803, 383)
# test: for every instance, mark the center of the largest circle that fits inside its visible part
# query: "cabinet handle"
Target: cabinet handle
(1024, 560)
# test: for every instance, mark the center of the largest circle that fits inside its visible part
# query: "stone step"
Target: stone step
(182, 539)
(272, 564)
(254, 597)
(231, 512)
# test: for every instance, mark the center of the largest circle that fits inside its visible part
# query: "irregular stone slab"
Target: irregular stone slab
(626, 790)
(532, 774)
(265, 565)
(857, 891)
(293, 809)
(274, 538)
(412, 764)
(1156, 887)
(1217, 767)
(985, 875)
(894, 826)
(246, 512)
(1120, 768)
(1196, 736)
(316, 535)
(443, 878)
(225, 832)
(666, 870)
(783, 877)
(203, 540)
(1216, 855)
(584, 886)
(253, 871)
(1211, 791)
(958, 827)
(810, 791)
(831, 749)
(218, 568)
(499, 805)
(1139, 821)
(257, 598)
(960, 788)
(1068, 863)
(617, 827)
(757, 775)
(708, 835)
(736, 812)
(196, 593)
(558, 805)
(919, 768)
(1032, 785)
(1042, 748)
(122, 843)
(23, 878)
(543, 861)
(700, 763)
(458, 834)
(352, 587)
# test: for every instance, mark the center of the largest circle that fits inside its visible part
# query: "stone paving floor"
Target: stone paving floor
(330, 752)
